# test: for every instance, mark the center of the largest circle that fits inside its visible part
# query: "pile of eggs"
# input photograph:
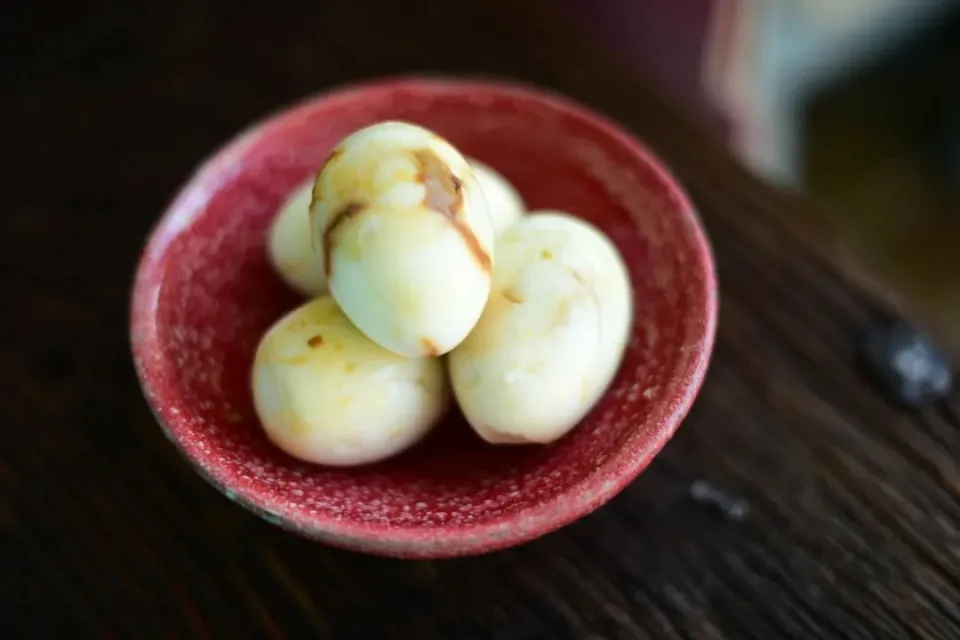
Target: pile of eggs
(428, 282)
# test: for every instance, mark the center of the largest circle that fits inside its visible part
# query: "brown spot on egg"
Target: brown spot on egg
(546, 254)
(315, 342)
(338, 217)
(511, 294)
(299, 426)
(325, 309)
(317, 194)
(564, 311)
(349, 367)
(336, 153)
(444, 190)
(444, 194)
(578, 276)
(429, 347)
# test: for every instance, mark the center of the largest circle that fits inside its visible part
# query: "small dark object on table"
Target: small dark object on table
(730, 507)
(906, 364)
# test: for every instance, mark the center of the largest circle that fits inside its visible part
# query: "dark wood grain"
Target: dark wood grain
(852, 529)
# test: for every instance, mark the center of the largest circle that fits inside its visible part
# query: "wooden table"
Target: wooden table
(852, 530)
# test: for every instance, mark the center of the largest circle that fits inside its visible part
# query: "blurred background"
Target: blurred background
(856, 103)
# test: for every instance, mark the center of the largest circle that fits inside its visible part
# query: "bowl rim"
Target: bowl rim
(433, 542)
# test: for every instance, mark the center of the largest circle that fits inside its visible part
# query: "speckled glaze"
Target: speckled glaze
(205, 292)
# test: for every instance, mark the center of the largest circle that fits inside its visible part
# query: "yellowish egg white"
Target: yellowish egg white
(289, 246)
(404, 236)
(552, 335)
(503, 200)
(325, 393)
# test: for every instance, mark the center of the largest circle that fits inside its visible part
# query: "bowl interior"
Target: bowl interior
(205, 293)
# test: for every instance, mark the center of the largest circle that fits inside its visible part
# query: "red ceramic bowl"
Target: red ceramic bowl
(204, 294)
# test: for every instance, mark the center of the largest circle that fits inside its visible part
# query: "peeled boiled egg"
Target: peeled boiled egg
(325, 393)
(403, 233)
(291, 251)
(289, 247)
(503, 200)
(552, 335)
